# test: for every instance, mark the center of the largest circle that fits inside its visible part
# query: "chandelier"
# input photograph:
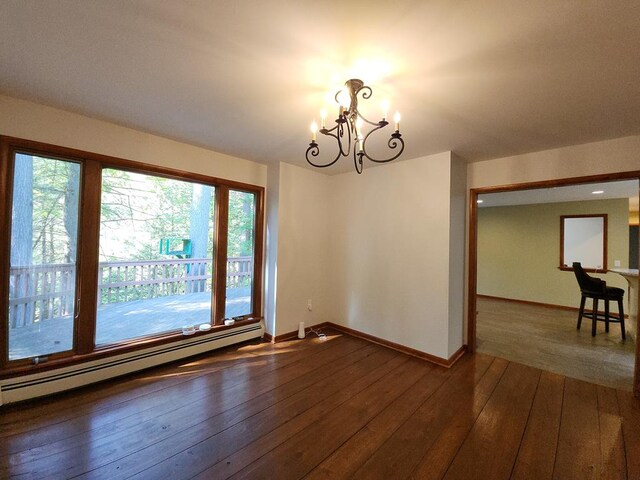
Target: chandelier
(347, 130)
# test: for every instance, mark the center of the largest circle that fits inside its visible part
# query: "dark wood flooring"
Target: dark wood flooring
(343, 408)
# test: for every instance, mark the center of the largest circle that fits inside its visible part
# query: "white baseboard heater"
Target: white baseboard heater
(66, 378)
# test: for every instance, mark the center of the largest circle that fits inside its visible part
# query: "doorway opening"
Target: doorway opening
(523, 304)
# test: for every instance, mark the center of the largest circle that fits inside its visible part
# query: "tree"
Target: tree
(22, 238)
(199, 231)
(241, 223)
(22, 217)
(71, 210)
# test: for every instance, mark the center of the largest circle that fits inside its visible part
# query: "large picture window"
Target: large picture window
(156, 256)
(104, 254)
(43, 254)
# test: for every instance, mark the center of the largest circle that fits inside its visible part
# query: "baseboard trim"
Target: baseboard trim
(53, 381)
(529, 302)
(443, 362)
(292, 335)
(540, 304)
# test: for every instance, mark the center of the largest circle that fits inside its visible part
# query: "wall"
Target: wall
(19, 118)
(397, 246)
(619, 155)
(519, 250)
(303, 249)
(271, 249)
(457, 247)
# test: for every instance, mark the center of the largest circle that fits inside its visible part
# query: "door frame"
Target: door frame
(472, 281)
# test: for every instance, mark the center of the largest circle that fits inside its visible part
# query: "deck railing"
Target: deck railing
(41, 292)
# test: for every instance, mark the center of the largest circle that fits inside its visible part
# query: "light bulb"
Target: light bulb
(385, 108)
(344, 99)
(314, 129)
(396, 120)
(323, 117)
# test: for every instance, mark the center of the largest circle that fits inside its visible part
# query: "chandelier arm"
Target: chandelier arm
(357, 161)
(394, 141)
(314, 150)
(366, 92)
(380, 124)
(339, 129)
(341, 144)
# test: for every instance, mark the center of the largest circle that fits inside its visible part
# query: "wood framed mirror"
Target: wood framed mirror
(583, 238)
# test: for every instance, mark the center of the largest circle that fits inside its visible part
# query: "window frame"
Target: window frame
(92, 165)
(605, 246)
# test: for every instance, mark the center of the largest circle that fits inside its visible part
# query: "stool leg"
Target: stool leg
(606, 315)
(621, 313)
(581, 311)
(594, 317)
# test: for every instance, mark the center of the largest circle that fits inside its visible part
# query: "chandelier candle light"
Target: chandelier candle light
(348, 128)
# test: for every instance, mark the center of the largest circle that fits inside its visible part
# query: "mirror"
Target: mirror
(583, 238)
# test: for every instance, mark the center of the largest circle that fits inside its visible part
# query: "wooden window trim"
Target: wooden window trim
(605, 227)
(87, 262)
(220, 280)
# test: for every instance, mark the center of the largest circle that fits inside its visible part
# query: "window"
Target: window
(104, 254)
(43, 258)
(240, 254)
(156, 256)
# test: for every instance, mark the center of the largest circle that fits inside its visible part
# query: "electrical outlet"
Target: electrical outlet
(309, 305)
(616, 263)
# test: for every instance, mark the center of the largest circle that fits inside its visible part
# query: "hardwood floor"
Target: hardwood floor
(340, 409)
(547, 338)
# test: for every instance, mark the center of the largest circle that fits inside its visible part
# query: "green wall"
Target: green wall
(519, 250)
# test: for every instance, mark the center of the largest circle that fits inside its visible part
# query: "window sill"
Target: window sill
(116, 349)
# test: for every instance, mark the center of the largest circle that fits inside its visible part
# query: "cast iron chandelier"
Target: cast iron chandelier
(348, 129)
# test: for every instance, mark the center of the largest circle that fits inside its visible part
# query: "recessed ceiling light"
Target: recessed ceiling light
(597, 192)
(479, 201)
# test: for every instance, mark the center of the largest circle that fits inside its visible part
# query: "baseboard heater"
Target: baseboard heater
(46, 383)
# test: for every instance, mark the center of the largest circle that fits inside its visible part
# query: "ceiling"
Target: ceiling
(572, 193)
(484, 79)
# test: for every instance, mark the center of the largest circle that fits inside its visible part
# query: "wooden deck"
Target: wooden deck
(122, 321)
(340, 409)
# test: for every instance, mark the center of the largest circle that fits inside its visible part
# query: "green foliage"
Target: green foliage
(51, 240)
(137, 211)
(242, 207)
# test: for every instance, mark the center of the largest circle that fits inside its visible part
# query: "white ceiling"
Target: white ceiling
(482, 78)
(572, 193)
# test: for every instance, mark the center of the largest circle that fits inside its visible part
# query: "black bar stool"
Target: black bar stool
(596, 289)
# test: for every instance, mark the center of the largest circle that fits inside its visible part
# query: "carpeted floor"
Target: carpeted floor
(547, 338)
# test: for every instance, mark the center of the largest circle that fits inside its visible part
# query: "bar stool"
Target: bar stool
(596, 289)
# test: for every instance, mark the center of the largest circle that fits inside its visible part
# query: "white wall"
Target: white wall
(271, 250)
(19, 118)
(457, 248)
(303, 248)
(395, 229)
(619, 155)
